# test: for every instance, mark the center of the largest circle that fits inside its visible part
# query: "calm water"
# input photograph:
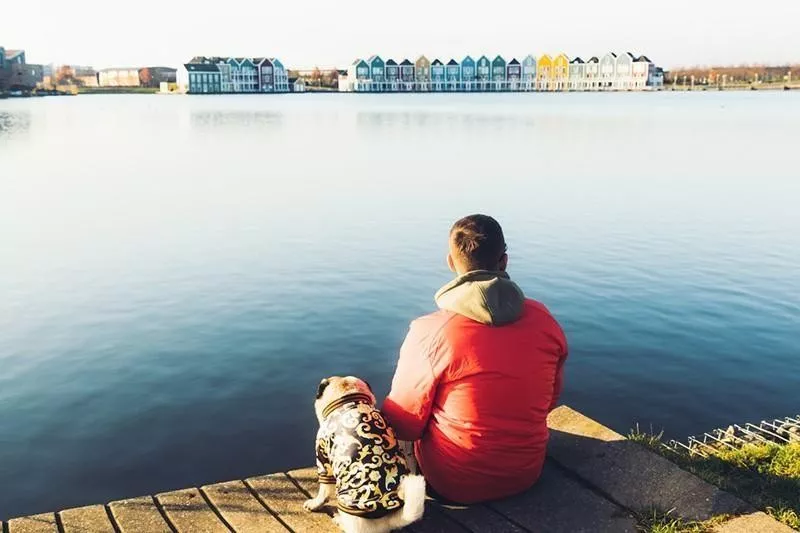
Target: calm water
(177, 273)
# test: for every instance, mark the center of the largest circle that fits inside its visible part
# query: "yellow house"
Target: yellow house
(544, 73)
(560, 76)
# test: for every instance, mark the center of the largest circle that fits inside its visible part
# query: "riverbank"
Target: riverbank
(594, 480)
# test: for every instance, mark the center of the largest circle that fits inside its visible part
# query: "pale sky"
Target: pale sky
(307, 33)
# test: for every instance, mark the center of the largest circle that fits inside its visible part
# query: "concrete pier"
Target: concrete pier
(594, 481)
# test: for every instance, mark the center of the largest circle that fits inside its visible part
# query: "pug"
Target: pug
(360, 465)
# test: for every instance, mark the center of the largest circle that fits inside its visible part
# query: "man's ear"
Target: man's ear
(450, 263)
(321, 388)
(503, 264)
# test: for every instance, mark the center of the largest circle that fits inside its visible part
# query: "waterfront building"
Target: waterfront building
(498, 74)
(153, 77)
(577, 75)
(513, 75)
(377, 73)
(200, 78)
(608, 71)
(357, 78)
(560, 73)
(407, 75)
(623, 79)
(468, 74)
(641, 73)
(119, 77)
(392, 75)
(437, 76)
(422, 69)
(483, 73)
(280, 76)
(453, 75)
(655, 78)
(297, 85)
(264, 75)
(529, 73)
(592, 72)
(544, 73)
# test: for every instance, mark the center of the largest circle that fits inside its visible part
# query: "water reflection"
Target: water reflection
(14, 123)
(239, 119)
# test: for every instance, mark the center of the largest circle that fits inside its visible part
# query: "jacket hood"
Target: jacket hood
(485, 296)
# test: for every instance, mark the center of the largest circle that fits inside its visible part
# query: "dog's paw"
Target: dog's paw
(313, 505)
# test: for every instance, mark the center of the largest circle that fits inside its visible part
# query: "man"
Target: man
(476, 379)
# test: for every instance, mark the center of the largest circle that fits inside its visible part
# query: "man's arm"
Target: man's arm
(409, 404)
(558, 384)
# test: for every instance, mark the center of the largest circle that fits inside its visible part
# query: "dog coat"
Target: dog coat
(358, 452)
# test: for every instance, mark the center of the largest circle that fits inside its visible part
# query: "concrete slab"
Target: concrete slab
(240, 509)
(188, 512)
(559, 504)
(757, 522)
(435, 521)
(282, 497)
(138, 514)
(40, 523)
(631, 475)
(478, 518)
(91, 519)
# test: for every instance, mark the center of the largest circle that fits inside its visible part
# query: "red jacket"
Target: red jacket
(474, 384)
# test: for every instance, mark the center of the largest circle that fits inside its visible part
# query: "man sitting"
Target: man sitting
(476, 379)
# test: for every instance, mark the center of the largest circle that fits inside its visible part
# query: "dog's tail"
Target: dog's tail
(412, 491)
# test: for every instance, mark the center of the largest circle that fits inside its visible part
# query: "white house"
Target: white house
(624, 72)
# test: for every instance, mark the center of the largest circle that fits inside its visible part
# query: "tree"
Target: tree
(316, 76)
(145, 77)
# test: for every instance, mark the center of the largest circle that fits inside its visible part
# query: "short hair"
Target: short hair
(479, 241)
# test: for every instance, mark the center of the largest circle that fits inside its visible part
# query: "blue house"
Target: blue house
(513, 75)
(468, 74)
(498, 73)
(529, 73)
(377, 73)
(281, 76)
(453, 75)
(407, 75)
(203, 78)
(358, 76)
(392, 75)
(438, 76)
(483, 70)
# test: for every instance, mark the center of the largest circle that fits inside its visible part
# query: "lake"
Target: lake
(177, 273)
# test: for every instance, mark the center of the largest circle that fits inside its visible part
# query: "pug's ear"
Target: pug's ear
(321, 388)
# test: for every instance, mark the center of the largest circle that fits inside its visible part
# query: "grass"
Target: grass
(766, 475)
(655, 521)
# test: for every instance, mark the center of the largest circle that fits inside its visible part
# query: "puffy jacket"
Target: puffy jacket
(473, 387)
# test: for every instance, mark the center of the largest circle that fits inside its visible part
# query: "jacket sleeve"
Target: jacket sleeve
(558, 384)
(324, 469)
(409, 404)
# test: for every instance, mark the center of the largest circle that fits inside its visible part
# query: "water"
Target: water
(177, 273)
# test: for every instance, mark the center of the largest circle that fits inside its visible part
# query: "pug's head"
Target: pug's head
(335, 387)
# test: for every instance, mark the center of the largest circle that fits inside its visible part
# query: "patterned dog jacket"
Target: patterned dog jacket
(358, 452)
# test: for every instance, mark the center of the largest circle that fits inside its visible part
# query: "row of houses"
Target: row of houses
(611, 72)
(216, 75)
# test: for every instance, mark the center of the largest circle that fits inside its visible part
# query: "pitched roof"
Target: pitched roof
(453, 62)
(644, 59)
(11, 54)
(593, 60)
(258, 60)
(513, 62)
(577, 60)
(406, 63)
(391, 62)
(437, 62)
(630, 55)
(373, 58)
(612, 54)
(201, 67)
(357, 61)
(500, 58)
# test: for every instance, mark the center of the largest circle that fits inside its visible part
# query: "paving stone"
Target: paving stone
(189, 512)
(92, 519)
(757, 522)
(630, 474)
(283, 498)
(560, 504)
(40, 523)
(138, 514)
(240, 509)
(435, 521)
(477, 518)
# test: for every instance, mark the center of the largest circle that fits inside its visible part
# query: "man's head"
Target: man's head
(477, 243)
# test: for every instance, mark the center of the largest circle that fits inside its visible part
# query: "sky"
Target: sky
(323, 33)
